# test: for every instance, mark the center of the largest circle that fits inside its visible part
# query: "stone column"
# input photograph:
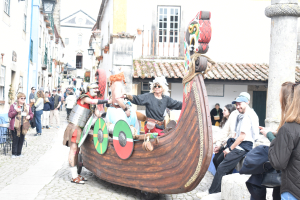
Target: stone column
(284, 15)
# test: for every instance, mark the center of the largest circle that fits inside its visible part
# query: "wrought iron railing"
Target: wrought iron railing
(46, 57)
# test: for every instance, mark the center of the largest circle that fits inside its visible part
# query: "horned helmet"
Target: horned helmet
(197, 37)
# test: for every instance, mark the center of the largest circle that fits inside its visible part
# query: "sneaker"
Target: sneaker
(47, 127)
(43, 127)
(36, 134)
(21, 156)
(202, 194)
(13, 156)
(39, 134)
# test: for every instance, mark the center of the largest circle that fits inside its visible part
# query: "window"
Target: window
(25, 18)
(21, 84)
(145, 88)
(40, 42)
(168, 24)
(2, 82)
(31, 50)
(79, 40)
(7, 7)
(66, 41)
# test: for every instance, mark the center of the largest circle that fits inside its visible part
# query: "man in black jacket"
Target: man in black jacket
(54, 113)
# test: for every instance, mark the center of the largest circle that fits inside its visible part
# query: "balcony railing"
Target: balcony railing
(162, 43)
(79, 65)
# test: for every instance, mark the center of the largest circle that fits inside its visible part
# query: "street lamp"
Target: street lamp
(48, 6)
(91, 51)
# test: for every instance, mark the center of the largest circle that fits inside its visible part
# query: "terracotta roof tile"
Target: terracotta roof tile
(221, 71)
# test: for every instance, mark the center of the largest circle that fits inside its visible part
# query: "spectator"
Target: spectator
(74, 82)
(284, 152)
(70, 101)
(61, 97)
(48, 104)
(237, 147)
(227, 131)
(31, 96)
(20, 114)
(253, 116)
(216, 115)
(77, 92)
(256, 190)
(39, 105)
(54, 113)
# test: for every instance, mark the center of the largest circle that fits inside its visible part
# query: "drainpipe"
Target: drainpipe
(27, 88)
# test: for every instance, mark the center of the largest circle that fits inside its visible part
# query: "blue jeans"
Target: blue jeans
(287, 196)
(38, 121)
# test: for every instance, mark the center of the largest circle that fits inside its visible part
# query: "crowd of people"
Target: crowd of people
(41, 112)
(239, 129)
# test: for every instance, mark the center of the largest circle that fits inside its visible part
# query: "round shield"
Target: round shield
(100, 136)
(85, 131)
(123, 140)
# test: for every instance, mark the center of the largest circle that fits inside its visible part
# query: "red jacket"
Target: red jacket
(12, 114)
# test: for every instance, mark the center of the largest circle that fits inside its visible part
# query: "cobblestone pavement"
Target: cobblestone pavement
(59, 185)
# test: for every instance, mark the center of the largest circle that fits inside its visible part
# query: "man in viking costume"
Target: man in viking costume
(120, 110)
(156, 103)
(85, 107)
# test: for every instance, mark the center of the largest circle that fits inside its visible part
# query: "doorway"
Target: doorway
(260, 105)
(79, 59)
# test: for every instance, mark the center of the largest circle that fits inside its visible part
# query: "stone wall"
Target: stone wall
(56, 16)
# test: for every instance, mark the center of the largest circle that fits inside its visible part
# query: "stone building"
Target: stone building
(76, 31)
(14, 50)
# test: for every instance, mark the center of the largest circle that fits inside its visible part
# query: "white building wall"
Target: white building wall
(106, 28)
(240, 29)
(14, 38)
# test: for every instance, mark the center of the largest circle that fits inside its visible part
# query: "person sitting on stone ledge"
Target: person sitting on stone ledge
(237, 147)
(284, 152)
(216, 115)
(156, 103)
(258, 191)
(226, 131)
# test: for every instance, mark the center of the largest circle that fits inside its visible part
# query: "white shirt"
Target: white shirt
(247, 127)
(70, 101)
(255, 123)
(228, 131)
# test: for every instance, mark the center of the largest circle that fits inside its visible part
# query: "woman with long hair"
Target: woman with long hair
(285, 97)
(39, 105)
(20, 115)
(227, 126)
(284, 152)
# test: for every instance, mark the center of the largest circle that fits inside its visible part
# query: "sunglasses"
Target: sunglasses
(157, 86)
(23, 98)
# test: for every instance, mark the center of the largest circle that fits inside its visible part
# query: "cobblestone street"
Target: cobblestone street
(43, 173)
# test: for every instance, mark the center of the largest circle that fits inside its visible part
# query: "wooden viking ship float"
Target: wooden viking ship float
(182, 156)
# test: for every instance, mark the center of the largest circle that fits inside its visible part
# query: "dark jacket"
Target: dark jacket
(12, 114)
(58, 99)
(284, 155)
(213, 113)
(49, 105)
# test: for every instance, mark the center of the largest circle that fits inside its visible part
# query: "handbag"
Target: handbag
(271, 177)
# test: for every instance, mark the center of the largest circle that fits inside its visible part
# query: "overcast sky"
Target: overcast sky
(90, 7)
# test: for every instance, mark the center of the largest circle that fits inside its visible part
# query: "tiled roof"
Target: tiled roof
(221, 71)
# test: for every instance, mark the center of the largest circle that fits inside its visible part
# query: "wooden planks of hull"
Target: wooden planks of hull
(176, 165)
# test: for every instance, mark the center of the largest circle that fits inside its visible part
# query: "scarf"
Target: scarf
(18, 120)
(238, 124)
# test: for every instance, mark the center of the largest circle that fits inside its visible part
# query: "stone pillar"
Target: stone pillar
(283, 14)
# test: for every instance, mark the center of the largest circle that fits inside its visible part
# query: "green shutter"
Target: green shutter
(31, 50)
